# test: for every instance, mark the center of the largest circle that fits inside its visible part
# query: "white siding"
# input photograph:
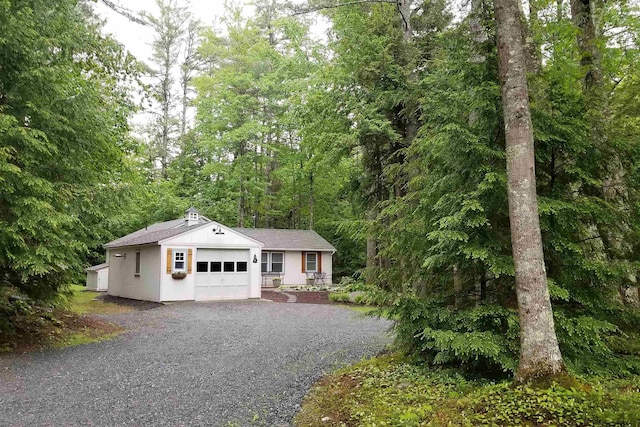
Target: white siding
(92, 280)
(205, 238)
(293, 274)
(97, 280)
(103, 279)
(123, 282)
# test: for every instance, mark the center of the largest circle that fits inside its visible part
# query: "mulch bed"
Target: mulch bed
(126, 302)
(311, 297)
(304, 297)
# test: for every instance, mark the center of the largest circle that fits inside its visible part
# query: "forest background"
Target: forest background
(387, 139)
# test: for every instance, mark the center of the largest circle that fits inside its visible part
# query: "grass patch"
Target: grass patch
(35, 327)
(359, 308)
(83, 301)
(389, 391)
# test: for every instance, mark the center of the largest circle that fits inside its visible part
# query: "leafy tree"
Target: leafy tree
(63, 134)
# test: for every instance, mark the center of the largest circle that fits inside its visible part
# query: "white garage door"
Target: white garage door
(222, 274)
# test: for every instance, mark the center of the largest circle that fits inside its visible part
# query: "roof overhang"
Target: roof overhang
(208, 224)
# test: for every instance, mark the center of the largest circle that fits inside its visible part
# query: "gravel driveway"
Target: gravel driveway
(220, 364)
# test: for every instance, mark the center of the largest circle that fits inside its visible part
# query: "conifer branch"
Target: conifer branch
(121, 10)
(333, 6)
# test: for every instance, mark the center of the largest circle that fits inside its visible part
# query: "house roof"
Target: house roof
(274, 238)
(97, 267)
(155, 232)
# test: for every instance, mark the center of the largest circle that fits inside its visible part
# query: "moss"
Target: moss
(390, 391)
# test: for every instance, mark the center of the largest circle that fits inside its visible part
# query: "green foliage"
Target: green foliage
(447, 267)
(63, 132)
(339, 296)
(389, 391)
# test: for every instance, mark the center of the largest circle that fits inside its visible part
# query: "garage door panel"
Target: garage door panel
(222, 274)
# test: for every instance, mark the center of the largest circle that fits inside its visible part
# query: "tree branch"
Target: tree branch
(130, 15)
(333, 6)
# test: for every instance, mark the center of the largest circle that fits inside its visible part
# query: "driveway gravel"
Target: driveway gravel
(190, 364)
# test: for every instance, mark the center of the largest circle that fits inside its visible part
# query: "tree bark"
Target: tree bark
(590, 57)
(539, 351)
(372, 245)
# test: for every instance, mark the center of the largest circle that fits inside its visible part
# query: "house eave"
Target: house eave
(300, 249)
(129, 246)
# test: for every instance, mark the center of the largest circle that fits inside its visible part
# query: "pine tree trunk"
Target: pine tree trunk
(539, 352)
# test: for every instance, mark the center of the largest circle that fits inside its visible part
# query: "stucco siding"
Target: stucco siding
(123, 282)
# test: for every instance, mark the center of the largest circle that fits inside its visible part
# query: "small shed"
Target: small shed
(98, 277)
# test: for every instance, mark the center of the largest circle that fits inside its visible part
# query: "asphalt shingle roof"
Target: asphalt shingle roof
(153, 233)
(274, 238)
(97, 267)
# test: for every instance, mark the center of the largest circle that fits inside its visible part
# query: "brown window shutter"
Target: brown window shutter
(169, 261)
(189, 260)
(319, 255)
(304, 270)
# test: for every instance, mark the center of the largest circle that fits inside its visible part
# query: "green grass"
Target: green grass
(389, 391)
(359, 308)
(83, 301)
(37, 327)
(85, 337)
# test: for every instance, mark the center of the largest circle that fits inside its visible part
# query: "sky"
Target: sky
(137, 38)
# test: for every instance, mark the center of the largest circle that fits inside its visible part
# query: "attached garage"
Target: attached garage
(222, 274)
(194, 258)
(184, 260)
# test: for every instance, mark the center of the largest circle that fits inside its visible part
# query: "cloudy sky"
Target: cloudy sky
(137, 38)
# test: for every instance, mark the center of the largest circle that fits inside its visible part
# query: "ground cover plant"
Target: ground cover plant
(392, 391)
(28, 325)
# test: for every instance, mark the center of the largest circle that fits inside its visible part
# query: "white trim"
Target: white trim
(137, 264)
(270, 262)
(306, 262)
(212, 245)
(298, 250)
(185, 260)
(224, 227)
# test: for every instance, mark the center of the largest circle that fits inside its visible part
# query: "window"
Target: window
(179, 261)
(311, 262)
(137, 272)
(193, 215)
(216, 266)
(277, 262)
(201, 267)
(241, 266)
(229, 266)
(272, 262)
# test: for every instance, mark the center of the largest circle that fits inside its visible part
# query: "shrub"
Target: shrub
(339, 296)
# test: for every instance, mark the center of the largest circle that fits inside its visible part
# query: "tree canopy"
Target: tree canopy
(388, 137)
